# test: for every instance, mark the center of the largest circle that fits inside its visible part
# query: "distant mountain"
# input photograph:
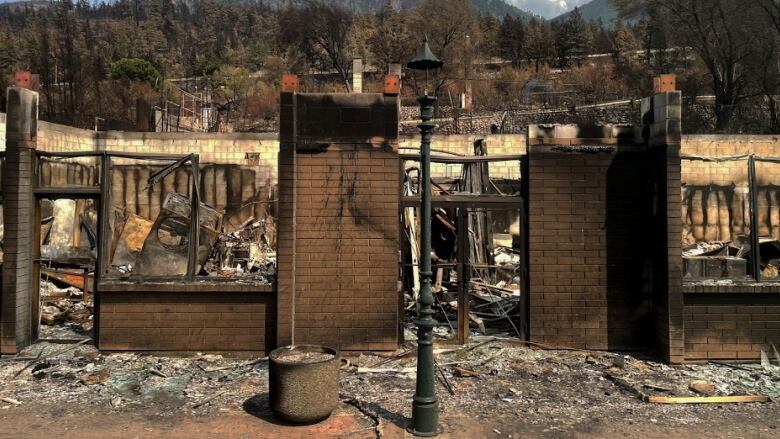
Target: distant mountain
(500, 9)
(596, 10)
(546, 8)
(496, 8)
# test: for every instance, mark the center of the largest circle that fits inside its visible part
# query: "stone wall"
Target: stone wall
(463, 144)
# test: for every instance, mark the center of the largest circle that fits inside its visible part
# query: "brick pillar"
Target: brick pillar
(285, 303)
(338, 220)
(16, 326)
(661, 118)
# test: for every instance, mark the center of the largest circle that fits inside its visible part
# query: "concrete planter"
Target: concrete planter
(303, 382)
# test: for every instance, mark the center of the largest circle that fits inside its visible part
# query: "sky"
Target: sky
(547, 8)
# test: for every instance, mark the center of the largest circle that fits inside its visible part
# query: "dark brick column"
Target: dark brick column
(589, 203)
(16, 326)
(661, 118)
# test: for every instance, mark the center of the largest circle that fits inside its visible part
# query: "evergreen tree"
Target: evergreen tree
(392, 40)
(511, 35)
(573, 41)
(537, 43)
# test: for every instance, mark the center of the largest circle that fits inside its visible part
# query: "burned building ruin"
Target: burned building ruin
(599, 237)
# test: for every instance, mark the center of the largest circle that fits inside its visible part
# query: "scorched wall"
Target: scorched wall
(338, 225)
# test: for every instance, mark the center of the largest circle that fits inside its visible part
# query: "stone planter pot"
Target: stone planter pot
(303, 383)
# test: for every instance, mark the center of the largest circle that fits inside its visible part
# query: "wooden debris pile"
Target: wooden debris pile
(65, 306)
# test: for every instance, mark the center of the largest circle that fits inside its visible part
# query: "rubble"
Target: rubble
(127, 246)
(166, 249)
(703, 387)
(490, 377)
(65, 306)
(714, 260)
(249, 249)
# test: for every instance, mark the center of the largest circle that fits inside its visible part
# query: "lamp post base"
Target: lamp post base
(411, 430)
(425, 417)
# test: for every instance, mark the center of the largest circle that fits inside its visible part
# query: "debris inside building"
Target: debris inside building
(477, 251)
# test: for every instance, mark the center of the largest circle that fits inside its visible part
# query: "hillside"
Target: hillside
(496, 8)
(596, 10)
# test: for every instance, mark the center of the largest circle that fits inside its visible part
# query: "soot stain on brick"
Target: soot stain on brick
(346, 203)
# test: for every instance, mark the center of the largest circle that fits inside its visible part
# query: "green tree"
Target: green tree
(134, 69)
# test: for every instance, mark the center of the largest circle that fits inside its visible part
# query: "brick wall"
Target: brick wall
(238, 170)
(730, 326)
(729, 322)
(213, 319)
(586, 230)
(346, 249)
(338, 224)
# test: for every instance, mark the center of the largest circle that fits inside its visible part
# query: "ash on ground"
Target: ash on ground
(483, 379)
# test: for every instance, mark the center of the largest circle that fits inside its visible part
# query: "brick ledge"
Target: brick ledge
(186, 287)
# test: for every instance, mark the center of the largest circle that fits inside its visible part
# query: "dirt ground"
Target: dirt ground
(488, 389)
(44, 421)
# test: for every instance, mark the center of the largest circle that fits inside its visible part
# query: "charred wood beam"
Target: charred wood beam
(103, 238)
(68, 192)
(732, 158)
(166, 171)
(473, 201)
(464, 274)
(124, 155)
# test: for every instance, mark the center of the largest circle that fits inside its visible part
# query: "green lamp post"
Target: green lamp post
(425, 408)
